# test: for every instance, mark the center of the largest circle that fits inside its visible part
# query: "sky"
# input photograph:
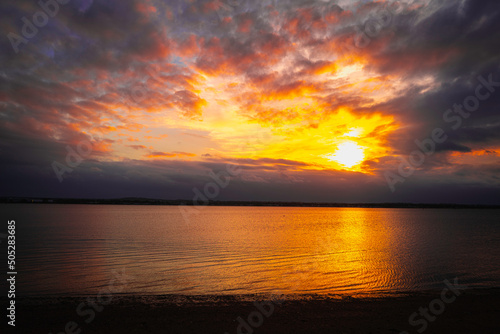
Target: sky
(272, 100)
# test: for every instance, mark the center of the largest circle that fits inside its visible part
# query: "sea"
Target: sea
(77, 250)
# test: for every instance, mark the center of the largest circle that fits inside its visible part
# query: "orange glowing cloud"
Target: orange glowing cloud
(160, 155)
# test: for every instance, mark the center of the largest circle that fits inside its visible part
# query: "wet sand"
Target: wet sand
(471, 312)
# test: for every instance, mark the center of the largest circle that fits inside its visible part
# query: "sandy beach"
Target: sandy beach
(471, 312)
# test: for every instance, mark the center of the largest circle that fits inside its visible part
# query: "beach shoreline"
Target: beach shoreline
(473, 311)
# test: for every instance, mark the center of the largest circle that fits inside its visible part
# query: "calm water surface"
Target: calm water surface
(73, 249)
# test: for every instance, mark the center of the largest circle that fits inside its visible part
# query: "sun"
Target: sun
(348, 154)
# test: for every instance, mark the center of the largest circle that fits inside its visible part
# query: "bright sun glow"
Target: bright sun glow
(353, 132)
(348, 154)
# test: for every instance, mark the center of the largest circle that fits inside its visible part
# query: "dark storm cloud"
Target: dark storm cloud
(454, 42)
(176, 180)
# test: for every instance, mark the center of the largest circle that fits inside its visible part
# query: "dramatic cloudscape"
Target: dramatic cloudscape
(332, 101)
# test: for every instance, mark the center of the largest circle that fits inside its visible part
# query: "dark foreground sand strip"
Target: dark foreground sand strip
(471, 312)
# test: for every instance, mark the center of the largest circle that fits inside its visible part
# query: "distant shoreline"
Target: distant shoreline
(148, 201)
